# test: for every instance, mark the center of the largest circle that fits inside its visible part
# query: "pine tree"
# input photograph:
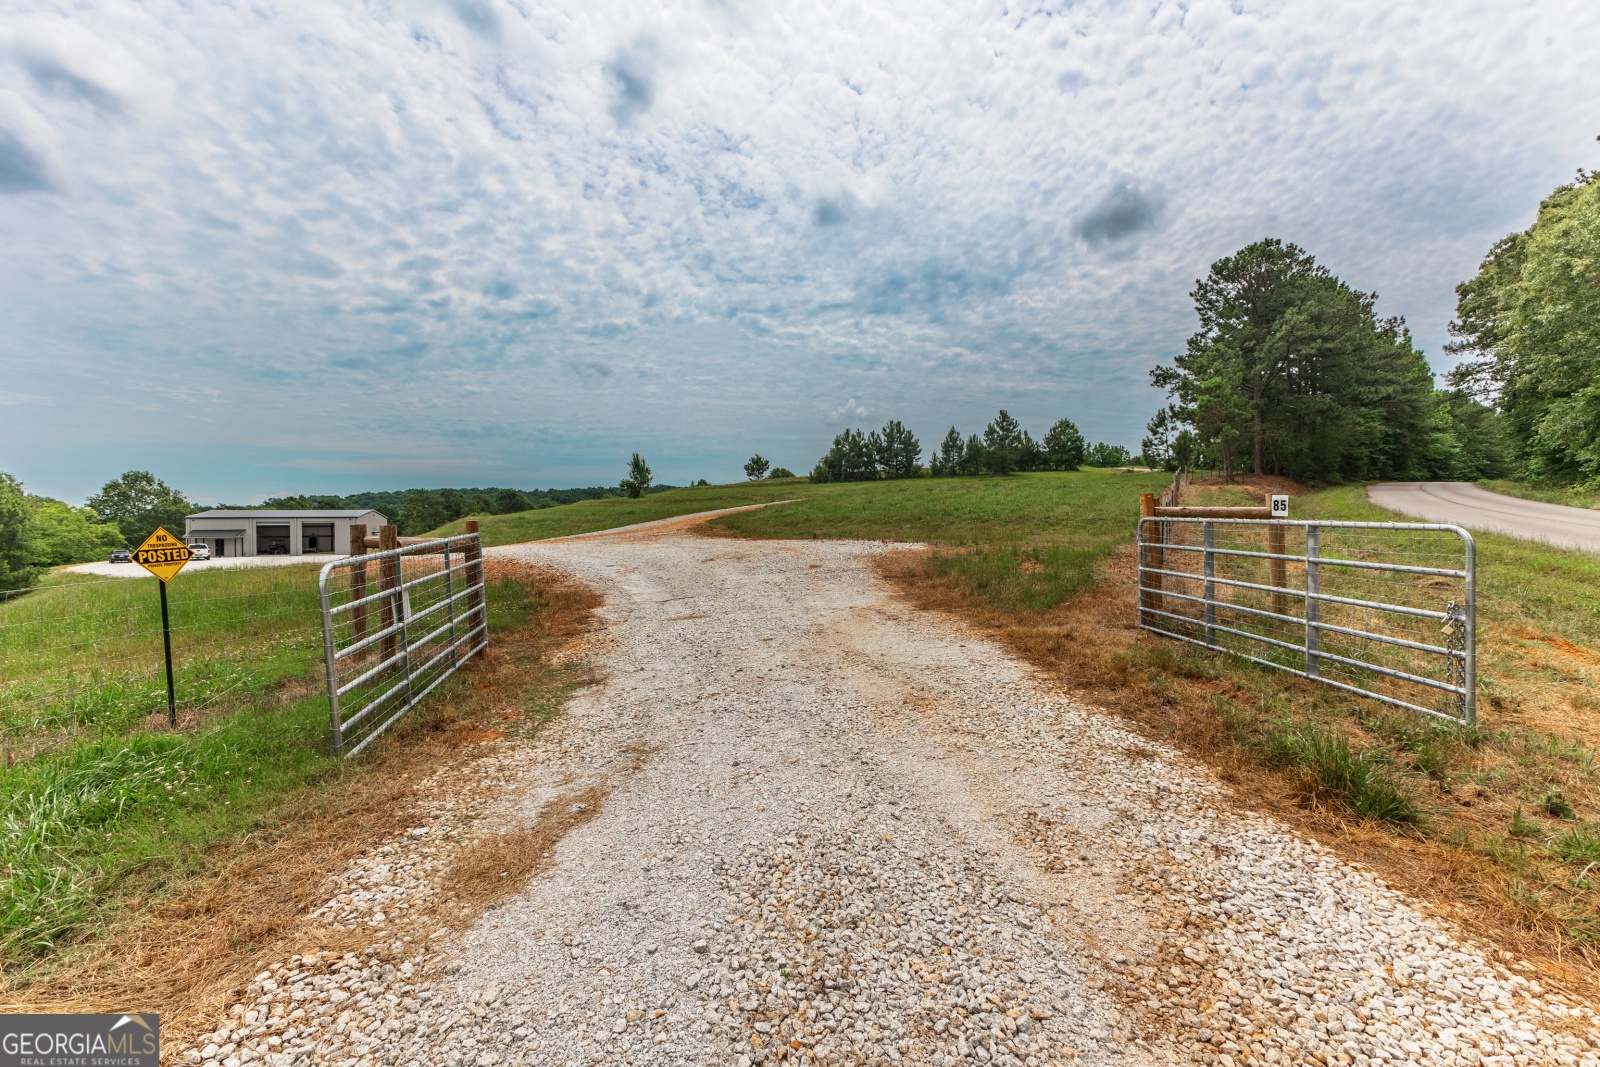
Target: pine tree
(1063, 446)
(638, 479)
(947, 461)
(1002, 444)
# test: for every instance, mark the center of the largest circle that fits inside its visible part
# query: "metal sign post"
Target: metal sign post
(164, 556)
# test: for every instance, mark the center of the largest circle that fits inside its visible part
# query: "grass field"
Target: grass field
(587, 516)
(1577, 498)
(1029, 540)
(100, 801)
(1024, 542)
(86, 655)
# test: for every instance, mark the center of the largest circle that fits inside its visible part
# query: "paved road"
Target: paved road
(1467, 505)
(826, 830)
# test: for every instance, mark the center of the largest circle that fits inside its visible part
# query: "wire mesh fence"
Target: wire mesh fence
(1382, 609)
(87, 654)
(396, 624)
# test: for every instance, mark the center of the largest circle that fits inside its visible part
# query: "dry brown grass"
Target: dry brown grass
(1515, 901)
(185, 954)
(486, 872)
(499, 864)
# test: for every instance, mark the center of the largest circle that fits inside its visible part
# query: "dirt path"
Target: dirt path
(1468, 505)
(810, 825)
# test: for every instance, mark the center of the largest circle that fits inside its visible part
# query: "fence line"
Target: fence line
(1172, 495)
(1386, 610)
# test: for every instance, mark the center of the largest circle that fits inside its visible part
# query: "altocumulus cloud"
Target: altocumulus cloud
(588, 228)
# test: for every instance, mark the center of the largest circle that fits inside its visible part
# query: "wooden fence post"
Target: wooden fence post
(1151, 535)
(358, 583)
(1278, 569)
(388, 579)
(475, 610)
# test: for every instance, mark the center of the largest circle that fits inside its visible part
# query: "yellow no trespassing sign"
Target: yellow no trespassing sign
(162, 554)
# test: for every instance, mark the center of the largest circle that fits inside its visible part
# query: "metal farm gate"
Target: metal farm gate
(395, 624)
(1383, 609)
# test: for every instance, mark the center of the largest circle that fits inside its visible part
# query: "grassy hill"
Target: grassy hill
(1029, 540)
(586, 516)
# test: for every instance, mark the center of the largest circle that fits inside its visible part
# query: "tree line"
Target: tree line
(1293, 372)
(1003, 448)
(1529, 326)
(416, 511)
(39, 532)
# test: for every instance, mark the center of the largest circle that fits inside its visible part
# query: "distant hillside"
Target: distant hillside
(418, 510)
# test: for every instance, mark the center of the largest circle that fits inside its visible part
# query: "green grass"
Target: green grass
(117, 808)
(586, 516)
(1568, 495)
(1520, 583)
(1366, 781)
(88, 656)
(1028, 541)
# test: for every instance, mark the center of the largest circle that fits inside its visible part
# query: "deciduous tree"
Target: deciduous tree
(756, 467)
(1530, 324)
(510, 501)
(1105, 454)
(138, 502)
(423, 510)
(17, 548)
(64, 534)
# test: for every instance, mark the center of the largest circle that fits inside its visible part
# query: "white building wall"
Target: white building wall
(195, 528)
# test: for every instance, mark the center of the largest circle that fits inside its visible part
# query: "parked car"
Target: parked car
(121, 555)
(201, 551)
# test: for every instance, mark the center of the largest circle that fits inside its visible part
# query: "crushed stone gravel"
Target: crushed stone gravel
(838, 831)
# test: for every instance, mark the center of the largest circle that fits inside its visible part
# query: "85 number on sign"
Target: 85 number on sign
(164, 556)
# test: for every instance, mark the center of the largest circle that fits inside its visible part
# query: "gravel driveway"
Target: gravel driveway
(838, 831)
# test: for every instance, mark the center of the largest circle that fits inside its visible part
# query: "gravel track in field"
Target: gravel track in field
(839, 831)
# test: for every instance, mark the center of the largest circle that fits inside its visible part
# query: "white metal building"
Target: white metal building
(295, 533)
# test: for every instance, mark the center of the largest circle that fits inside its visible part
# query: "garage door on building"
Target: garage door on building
(272, 540)
(316, 537)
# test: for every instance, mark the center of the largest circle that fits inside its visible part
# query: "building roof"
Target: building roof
(220, 533)
(246, 513)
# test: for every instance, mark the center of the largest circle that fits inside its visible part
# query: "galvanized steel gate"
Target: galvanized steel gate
(1383, 609)
(395, 624)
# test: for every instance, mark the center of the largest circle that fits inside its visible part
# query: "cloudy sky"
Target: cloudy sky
(319, 246)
